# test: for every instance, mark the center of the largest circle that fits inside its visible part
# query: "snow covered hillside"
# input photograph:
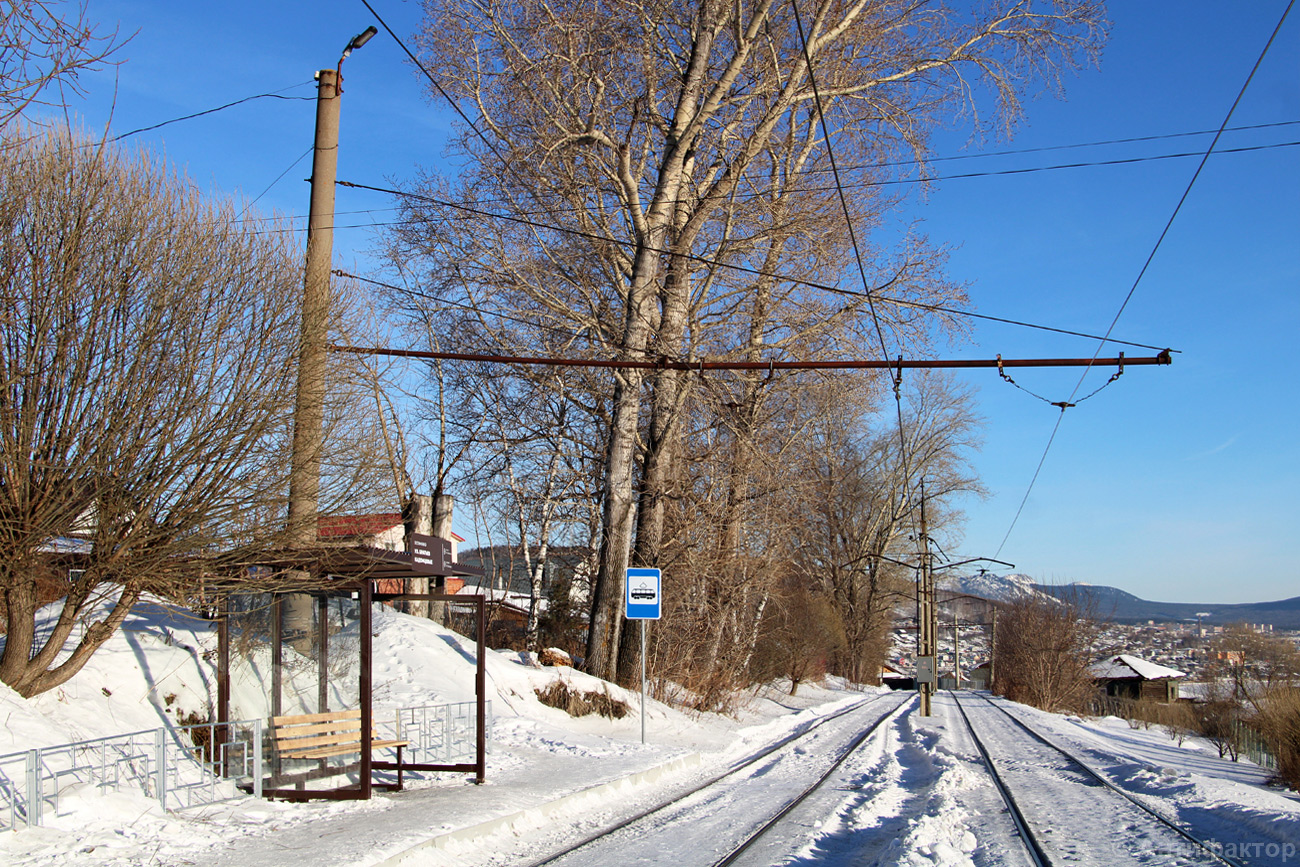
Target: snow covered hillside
(986, 585)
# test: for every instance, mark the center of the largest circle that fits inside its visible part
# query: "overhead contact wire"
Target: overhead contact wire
(896, 378)
(1147, 264)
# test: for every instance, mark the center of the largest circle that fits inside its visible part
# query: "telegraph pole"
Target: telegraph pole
(313, 341)
(928, 617)
(309, 409)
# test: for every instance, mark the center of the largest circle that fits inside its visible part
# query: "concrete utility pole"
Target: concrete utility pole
(309, 410)
(927, 614)
(313, 340)
(956, 648)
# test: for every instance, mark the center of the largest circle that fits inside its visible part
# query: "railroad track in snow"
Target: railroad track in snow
(737, 849)
(1062, 828)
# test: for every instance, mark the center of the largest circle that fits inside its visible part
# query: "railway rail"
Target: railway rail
(1031, 820)
(737, 849)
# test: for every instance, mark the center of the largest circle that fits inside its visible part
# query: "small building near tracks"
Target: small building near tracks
(1127, 676)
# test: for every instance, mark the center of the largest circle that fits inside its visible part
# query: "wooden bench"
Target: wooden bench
(322, 735)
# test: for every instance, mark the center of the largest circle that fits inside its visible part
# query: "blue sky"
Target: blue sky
(1177, 483)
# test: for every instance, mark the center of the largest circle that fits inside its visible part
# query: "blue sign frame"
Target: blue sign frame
(643, 594)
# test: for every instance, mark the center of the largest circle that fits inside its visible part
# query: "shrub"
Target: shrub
(560, 694)
(1278, 720)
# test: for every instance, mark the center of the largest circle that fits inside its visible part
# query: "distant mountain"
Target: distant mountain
(1120, 606)
(986, 585)
(1113, 604)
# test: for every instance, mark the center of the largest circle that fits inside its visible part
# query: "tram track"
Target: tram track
(630, 823)
(1028, 823)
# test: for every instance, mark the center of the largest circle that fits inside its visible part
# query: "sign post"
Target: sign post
(643, 602)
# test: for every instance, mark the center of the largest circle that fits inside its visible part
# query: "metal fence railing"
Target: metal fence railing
(180, 767)
(1252, 745)
(440, 733)
(190, 766)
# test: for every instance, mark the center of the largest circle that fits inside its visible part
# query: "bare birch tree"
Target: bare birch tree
(632, 143)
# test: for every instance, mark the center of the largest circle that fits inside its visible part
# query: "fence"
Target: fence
(190, 766)
(1242, 738)
(1253, 746)
(440, 733)
(180, 767)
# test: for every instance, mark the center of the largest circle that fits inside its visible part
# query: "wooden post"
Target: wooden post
(480, 692)
(322, 654)
(223, 667)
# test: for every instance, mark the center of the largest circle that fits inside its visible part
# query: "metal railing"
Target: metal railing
(440, 733)
(180, 767)
(190, 766)
(1252, 745)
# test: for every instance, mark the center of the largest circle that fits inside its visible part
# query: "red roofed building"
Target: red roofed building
(385, 530)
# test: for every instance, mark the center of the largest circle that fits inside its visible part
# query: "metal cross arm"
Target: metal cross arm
(700, 366)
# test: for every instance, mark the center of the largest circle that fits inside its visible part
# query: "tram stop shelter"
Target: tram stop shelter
(298, 651)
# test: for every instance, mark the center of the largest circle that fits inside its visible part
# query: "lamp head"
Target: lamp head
(359, 40)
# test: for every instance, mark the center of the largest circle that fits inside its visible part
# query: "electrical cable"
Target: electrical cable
(509, 167)
(552, 209)
(812, 284)
(1093, 144)
(1080, 165)
(275, 94)
(897, 378)
(470, 308)
(277, 180)
(1147, 264)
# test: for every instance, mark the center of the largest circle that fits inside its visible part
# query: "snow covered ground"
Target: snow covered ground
(916, 793)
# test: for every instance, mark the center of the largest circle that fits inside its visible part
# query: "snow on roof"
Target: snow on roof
(67, 545)
(1126, 666)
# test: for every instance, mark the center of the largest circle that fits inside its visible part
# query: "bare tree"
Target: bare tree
(659, 137)
(1253, 663)
(858, 519)
(1042, 647)
(801, 633)
(1254, 680)
(146, 373)
(42, 48)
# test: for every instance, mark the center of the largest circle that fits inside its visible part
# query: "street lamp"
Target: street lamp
(359, 40)
(308, 419)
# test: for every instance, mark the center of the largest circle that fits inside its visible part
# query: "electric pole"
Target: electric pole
(313, 341)
(309, 408)
(927, 615)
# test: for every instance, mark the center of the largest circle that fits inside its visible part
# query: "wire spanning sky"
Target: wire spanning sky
(1178, 483)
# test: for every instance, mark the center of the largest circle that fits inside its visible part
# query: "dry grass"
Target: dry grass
(560, 694)
(1278, 720)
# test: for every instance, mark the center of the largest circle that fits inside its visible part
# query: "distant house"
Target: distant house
(895, 678)
(386, 531)
(1126, 676)
(978, 677)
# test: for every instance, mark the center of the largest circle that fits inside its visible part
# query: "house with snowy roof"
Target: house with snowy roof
(1127, 676)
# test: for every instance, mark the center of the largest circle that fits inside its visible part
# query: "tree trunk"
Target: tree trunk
(419, 521)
